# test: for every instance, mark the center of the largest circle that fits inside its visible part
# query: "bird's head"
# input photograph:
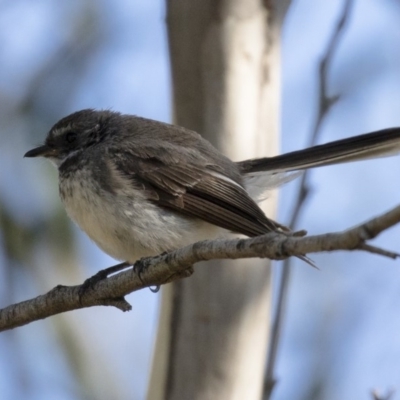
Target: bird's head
(74, 133)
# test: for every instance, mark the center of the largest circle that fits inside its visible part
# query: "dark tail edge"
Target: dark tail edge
(361, 147)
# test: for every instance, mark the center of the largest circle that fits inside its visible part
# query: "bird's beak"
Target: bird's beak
(41, 151)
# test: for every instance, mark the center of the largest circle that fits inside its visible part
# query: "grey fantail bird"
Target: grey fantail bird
(139, 187)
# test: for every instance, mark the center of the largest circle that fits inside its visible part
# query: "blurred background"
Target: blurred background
(341, 335)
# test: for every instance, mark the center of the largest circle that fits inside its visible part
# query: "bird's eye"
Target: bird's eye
(70, 137)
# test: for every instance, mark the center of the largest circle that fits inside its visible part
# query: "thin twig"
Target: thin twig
(325, 103)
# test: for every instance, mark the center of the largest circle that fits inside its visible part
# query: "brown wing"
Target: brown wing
(195, 189)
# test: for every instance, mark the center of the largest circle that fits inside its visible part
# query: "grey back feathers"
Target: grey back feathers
(173, 167)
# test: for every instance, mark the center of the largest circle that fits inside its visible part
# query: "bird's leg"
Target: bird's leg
(101, 275)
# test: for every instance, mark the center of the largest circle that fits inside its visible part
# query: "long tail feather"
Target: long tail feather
(381, 143)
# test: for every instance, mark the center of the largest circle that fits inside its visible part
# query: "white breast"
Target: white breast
(126, 225)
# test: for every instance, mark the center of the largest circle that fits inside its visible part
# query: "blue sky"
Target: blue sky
(343, 320)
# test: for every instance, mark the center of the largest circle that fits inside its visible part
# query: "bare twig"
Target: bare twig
(325, 102)
(178, 264)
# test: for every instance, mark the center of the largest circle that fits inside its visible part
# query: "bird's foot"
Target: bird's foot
(140, 267)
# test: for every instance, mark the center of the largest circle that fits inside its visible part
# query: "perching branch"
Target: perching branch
(177, 264)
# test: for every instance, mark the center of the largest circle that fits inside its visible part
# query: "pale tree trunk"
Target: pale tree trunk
(214, 325)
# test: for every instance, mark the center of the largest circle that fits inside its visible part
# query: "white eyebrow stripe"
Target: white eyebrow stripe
(60, 131)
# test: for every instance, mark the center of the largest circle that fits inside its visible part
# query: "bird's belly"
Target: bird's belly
(130, 227)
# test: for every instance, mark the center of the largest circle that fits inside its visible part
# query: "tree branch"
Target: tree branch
(178, 264)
